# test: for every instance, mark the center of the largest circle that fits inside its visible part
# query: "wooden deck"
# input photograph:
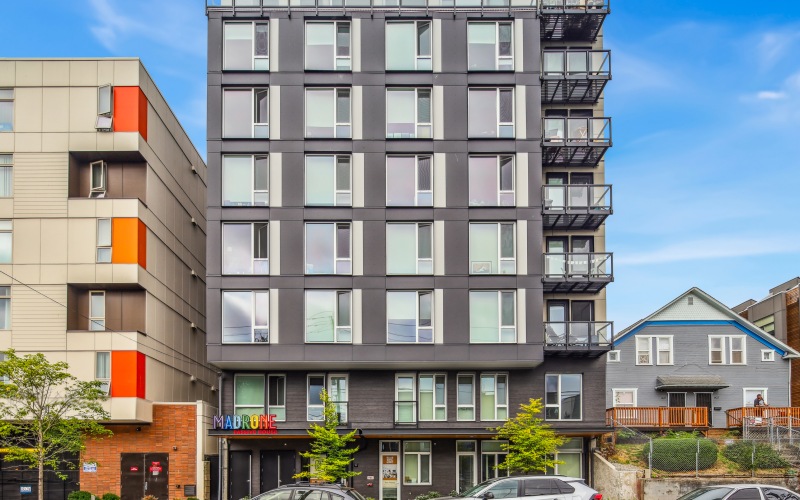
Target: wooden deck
(657, 417)
(762, 415)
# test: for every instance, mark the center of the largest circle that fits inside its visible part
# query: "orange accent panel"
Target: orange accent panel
(142, 244)
(130, 110)
(127, 374)
(124, 240)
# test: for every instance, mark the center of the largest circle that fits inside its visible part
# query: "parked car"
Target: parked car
(310, 491)
(741, 492)
(532, 487)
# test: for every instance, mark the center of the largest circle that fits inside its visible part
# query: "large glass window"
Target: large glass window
(466, 465)
(409, 181)
(491, 113)
(405, 405)
(563, 396)
(328, 113)
(97, 311)
(492, 248)
(6, 175)
(337, 392)
(408, 46)
(494, 396)
(103, 241)
(416, 462)
(246, 46)
(248, 394)
(6, 110)
(432, 405)
(490, 46)
(328, 248)
(410, 317)
(245, 248)
(102, 370)
(98, 175)
(245, 316)
(315, 406)
(408, 113)
(724, 349)
(328, 46)
(328, 180)
(328, 315)
(492, 454)
(492, 316)
(245, 113)
(276, 394)
(491, 181)
(409, 248)
(5, 307)
(6, 241)
(245, 180)
(466, 397)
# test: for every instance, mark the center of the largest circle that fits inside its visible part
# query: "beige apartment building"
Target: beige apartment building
(102, 262)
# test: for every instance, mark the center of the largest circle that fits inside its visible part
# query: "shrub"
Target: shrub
(677, 455)
(428, 496)
(80, 495)
(741, 453)
(149, 497)
(110, 496)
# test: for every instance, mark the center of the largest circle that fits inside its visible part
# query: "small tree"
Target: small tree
(532, 444)
(46, 412)
(329, 452)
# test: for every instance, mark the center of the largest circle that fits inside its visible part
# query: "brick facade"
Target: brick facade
(793, 338)
(173, 425)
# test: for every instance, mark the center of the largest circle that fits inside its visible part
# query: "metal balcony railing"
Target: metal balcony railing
(575, 141)
(577, 272)
(574, 76)
(572, 19)
(575, 206)
(578, 338)
(249, 5)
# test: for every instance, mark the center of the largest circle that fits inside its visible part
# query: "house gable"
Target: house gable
(690, 306)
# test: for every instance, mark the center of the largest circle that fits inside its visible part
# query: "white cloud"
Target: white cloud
(770, 95)
(710, 248)
(774, 45)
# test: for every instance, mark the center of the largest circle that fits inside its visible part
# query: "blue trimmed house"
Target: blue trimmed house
(690, 362)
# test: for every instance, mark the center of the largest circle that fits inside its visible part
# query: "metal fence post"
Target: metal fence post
(753, 461)
(650, 456)
(697, 460)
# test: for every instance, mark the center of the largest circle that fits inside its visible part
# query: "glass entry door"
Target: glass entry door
(466, 461)
(390, 470)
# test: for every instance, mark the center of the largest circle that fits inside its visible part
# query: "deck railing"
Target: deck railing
(657, 417)
(757, 415)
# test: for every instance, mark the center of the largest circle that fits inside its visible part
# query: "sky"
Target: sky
(705, 103)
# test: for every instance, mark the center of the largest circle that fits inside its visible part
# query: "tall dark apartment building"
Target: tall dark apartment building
(405, 208)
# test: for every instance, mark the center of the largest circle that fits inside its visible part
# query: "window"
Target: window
(245, 113)
(105, 108)
(97, 311)
(248, 394)
(328, 248)
(245, 181)
(767, 355)
(6, 242)
(492, 454)
(432, 404)
(409, 248)
(492, 316)
(466, 465)
(408, 46)
(492, 248)
(491, 113)
(408, 113)
(328, 316)
(276, 400)
(103, 240)
(726, 350)
(494, 397)
(405, 405)
(246, 46)
(490, 46)
(6, 175)
(5, 307)
(5, 378)
(328, 180)
(102, 370)
(466, 397)
(328, 46)
(613, 356)
(337, 392)
(750, 394)
(245, 248)
(416, 462)
(643, 346)
(409, 181)
(328, 113)
(245, 316)
(409, 317)
(563, 397)
(97, 179)
(6, 110)
(624, 397)
(664, 350)
(767, 324)
(315, 406)
(491, 181)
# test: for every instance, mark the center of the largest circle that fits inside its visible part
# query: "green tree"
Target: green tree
(330, 453)
(46, 412)
(532, 444)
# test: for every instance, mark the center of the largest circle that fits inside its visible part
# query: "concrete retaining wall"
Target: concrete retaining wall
(672, 488)
(613, 483)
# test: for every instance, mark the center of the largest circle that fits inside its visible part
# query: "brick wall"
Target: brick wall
(793, 338)
(173, 425)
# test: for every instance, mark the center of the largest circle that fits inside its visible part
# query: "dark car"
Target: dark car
(741, 492)
(310, 491)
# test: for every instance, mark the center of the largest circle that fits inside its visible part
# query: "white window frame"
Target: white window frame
(712, 349)
(500, 190)
(254, 58)
(414, 402)
(343, 414)
(419, 260)
(249, 375)
(97, 323)
(280, 407)
(614, 393)
(346, 194)
(436, 406)
(614, 356)
(418, 125)
(417, 56)
(767, 355)
(105, 383)
(659, 338)
(726, 347)
(473, 454)
(337, 328)
(336, 57)
(253, 259)
(743, 339)
(7, 162)
(494, 376)
(500, 317)
(558, 405)
(253, 325)
(309, 406)
(499, 239)
(253, 190)
(336, 258)
(500, 123)
(418, 193)
(11, 100)
(640, 339)
(419, 461)
(336, 124)
(105, 248)
(470, 406)
(5, 296)
(99, 190)
(7, 227)
(497, 56)
(254, 126)
(417, 327)
(760, 390)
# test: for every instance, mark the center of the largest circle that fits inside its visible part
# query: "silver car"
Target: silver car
(533, 487)
(741, 492)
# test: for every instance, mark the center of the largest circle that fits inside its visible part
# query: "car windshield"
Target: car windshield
(707, 494)
(475, 489)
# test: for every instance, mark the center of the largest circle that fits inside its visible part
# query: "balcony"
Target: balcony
(574, 76)
(577, 272)
(575, 206)
(577, 142)
(572, 19)
(257, 6)
(642, 417)
(589, 339)
(785, 416)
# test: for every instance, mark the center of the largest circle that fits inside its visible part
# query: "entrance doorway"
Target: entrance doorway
(390, 470)
(277, 468)
(144, 474)
(238, 475)
(703, 400)
(677, 400)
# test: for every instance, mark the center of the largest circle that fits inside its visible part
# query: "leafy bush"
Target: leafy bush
(110, 496)
(677, 455)
(741, 453)
(428, 496)
(80, 495)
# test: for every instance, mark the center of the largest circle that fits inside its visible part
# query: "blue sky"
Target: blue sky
(705, 101)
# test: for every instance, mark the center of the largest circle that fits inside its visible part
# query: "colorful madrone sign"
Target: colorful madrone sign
(245, 424)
